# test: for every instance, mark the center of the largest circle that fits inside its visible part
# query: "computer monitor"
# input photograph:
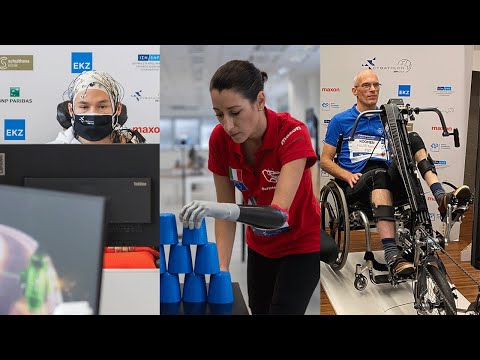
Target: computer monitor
(126, 174)
(51, 251)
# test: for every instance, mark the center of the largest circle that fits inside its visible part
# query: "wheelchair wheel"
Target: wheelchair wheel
(335, 220)
(435, 296)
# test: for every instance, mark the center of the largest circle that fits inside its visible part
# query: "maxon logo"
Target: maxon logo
(330, 89)
(14, 129)
(147, 129)
(81, 61)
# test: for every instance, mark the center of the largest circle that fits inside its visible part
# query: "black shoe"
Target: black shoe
(400, 267)
(460, 195)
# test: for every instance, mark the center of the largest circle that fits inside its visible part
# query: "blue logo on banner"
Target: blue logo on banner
(444, 88)
(148, 57)
(403, 90)
(14, 129)
(81, 61)
(440, 162)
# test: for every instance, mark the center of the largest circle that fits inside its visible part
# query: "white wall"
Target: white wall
(303, 93)
(43, 87)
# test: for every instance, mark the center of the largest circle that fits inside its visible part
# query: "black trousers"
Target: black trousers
(361, 191)
(281, 286)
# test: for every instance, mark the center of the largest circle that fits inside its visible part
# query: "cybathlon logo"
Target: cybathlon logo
(402, 66)
(432, 216)
(403, 90)
(139, 95)
(147, 129)
(81, 61)
(14, 91)
(323, 173)
(148, 57)
(325, 106)
(16, 62)
(14, 129)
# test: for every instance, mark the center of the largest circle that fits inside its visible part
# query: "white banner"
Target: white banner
(33, 79)
(423, 76)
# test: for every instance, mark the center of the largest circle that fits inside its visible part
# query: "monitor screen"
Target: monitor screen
(51, 251)
(126, 174)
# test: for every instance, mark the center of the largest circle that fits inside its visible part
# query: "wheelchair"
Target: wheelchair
(415, 237)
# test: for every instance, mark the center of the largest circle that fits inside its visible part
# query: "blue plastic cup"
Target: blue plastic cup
(180, 259)
(221, 309)
(220, 290)
(169, 288)
(195, 288)
(168, 229)
(206, 259)
(163, 266)
(195, 236)
(170, 308)
(195, 308)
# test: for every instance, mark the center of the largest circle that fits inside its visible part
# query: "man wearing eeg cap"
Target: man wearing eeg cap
(95, 105)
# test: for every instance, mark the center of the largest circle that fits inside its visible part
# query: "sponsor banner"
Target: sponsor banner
(16, 62)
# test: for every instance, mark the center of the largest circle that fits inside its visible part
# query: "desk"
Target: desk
(182, 308)
(130, 292)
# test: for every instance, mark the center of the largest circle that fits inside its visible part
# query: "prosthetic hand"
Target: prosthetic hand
(266, 217)
(193, 213)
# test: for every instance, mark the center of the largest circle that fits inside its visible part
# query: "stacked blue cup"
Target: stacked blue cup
(195, 236)
(194, 288)
(195, 294)
(220, 290)
(206, 259)
(163, 266)
(170, 294)
(168, 229)
(180, 259)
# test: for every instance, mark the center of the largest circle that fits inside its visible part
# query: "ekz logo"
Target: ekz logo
(444, 88)
(81, 61)
(148, 57)
(403, 90)
(14, 129)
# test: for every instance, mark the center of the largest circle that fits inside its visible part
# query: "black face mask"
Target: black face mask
(93, 127)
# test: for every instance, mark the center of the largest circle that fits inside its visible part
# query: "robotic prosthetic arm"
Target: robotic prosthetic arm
(266, 217)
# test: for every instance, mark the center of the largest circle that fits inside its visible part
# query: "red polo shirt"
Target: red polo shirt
(286, 139)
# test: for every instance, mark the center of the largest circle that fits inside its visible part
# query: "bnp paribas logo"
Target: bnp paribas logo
(16, 62)
(14, 91)
(15, 97)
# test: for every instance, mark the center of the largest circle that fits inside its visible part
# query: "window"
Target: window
(188, 130)
(166, 134)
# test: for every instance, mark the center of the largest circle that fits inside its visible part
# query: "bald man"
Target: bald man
(367, 173)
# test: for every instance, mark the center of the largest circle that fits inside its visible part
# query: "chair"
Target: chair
(65, 120)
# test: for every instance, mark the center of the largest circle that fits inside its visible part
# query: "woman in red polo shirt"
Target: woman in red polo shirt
(267, 156)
